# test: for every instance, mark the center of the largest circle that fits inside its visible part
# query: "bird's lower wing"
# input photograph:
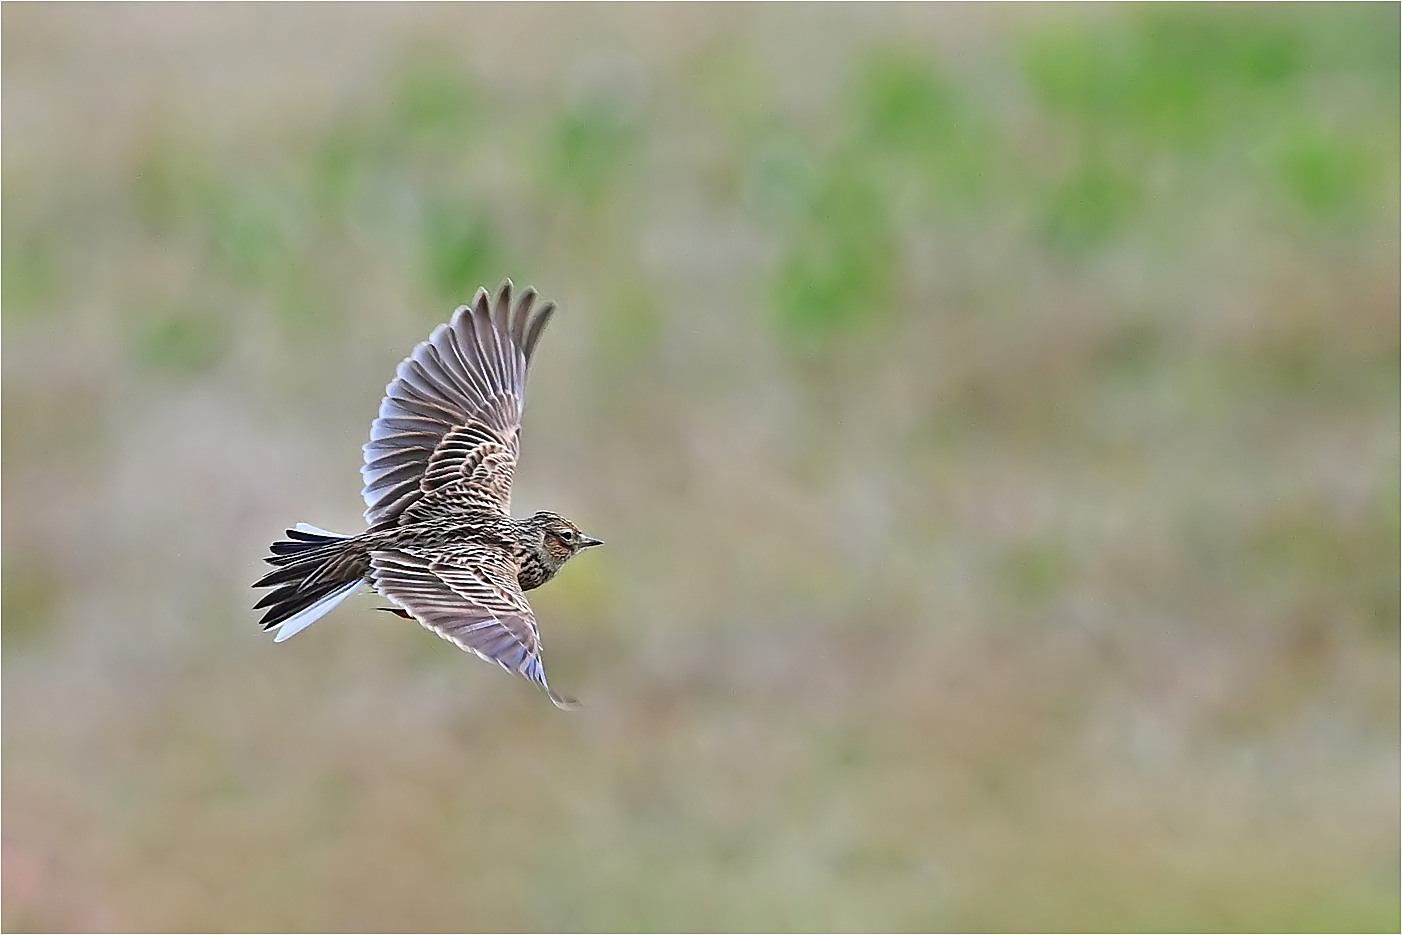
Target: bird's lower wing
(472, 600)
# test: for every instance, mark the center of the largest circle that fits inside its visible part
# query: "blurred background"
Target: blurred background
(992, 414)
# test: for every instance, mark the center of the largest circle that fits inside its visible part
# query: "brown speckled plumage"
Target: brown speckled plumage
(441, 543)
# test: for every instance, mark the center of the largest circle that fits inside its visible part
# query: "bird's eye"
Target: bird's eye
(566, 536)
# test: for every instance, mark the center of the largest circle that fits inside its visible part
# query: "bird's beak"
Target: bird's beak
(586, 541)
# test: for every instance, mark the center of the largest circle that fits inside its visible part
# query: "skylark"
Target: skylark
(442, 545)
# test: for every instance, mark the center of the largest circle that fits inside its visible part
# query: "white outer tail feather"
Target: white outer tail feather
(305, 618)
(318, 531)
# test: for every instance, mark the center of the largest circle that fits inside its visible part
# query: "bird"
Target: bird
(440, 543)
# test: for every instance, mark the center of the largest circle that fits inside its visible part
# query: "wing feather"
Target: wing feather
(537, 326)
(472, 601)
(404, 441)
(523, 313)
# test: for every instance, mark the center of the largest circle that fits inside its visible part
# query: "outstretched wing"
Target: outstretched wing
(452, 413)
(473, 600)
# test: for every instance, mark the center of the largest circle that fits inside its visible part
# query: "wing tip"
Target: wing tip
(563, 702)
(534, 669)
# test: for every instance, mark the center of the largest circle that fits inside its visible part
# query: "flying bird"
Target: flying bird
(442, 545)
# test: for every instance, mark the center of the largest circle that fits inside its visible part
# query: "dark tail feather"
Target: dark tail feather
(312, 574)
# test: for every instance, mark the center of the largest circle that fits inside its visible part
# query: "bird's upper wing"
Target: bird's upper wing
(452, 413)
(471, 599)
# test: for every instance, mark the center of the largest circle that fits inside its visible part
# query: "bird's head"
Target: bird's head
(562, 539)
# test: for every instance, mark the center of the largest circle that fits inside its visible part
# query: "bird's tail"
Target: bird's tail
(313, 572)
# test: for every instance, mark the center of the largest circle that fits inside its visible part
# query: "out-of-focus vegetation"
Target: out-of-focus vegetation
(992, 414)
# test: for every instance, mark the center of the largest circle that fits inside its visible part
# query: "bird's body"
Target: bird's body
(441, 544)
